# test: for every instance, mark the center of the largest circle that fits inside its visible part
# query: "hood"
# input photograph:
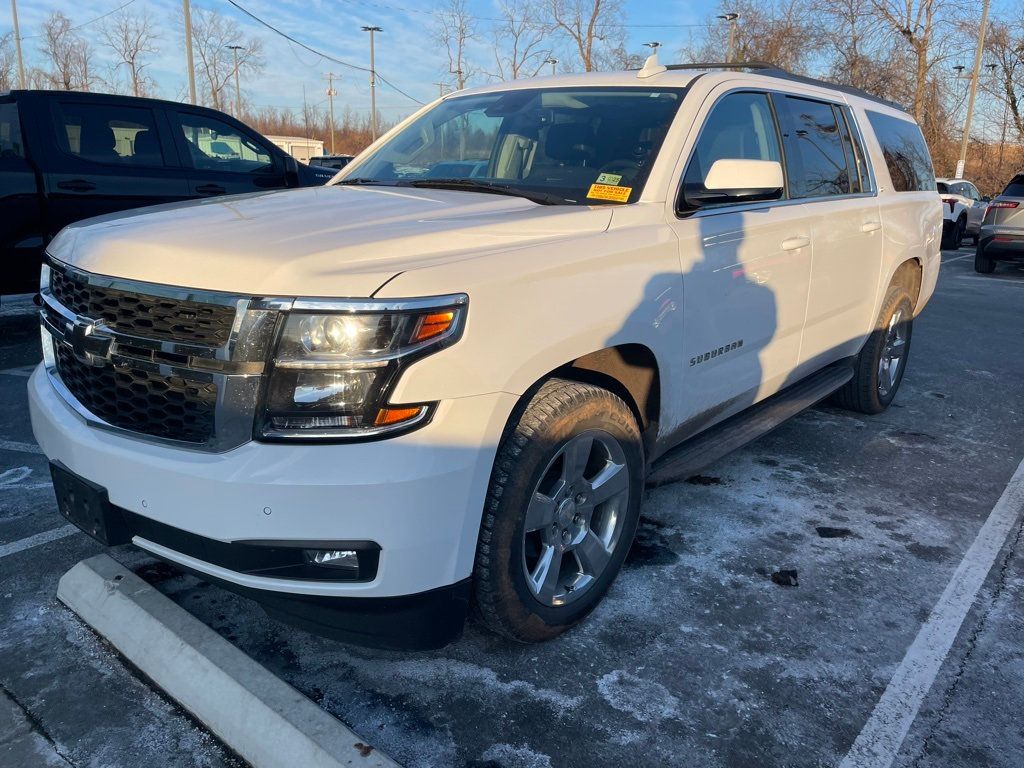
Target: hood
(337, 241)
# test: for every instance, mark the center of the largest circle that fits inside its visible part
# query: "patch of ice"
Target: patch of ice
(645, 700)
(508, 756)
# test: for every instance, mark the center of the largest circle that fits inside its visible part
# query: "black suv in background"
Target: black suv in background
(66, 156)
(337, 162)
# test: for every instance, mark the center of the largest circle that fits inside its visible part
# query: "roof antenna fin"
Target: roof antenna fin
(652, 66)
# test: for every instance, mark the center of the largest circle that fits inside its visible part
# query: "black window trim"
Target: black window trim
(56, 109)
(772, 94)
(276, 163)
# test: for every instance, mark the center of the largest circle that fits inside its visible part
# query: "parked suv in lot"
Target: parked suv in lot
(963, 208)
(455, 393)
(1002, 231)
(67, 156)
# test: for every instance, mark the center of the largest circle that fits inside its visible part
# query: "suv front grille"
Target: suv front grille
(126, 396)
(142, 315)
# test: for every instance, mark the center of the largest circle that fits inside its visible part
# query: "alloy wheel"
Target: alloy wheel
(893, 354)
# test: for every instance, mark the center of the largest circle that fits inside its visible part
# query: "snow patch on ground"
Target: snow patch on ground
(645, 700)
(508, 756)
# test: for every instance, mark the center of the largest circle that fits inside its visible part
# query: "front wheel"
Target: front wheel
(879, 368)
(561, 512)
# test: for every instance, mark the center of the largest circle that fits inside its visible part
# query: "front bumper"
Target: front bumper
(418, 496)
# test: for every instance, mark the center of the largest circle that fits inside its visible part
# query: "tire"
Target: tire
(948, 234)
(983, 264)
(865, 392)
(958, 233)
(529, 472)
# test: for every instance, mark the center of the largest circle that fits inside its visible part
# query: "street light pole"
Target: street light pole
(331, 93)
(553, 63)
(17, 44)
(974, 90)
(187, 11)
(238, 90)
(373, 84)
(731, 18)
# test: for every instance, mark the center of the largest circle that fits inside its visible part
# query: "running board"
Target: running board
(702, 450)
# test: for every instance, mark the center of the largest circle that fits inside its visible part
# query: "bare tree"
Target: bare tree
(587, 24)
(212, 33)
(455, 29)
(520, 40)
(7, 62)
(132, 38)
(1005, 47)
(776, 32)
(69, 56)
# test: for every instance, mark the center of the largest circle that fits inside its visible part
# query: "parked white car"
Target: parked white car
(372, 404)
(963, 210)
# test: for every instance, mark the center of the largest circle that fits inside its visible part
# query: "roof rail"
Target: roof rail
(771, 70)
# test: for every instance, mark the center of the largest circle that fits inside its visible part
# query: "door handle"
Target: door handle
(210, 189)
(76, 185)
(870, 226)
(795, 243)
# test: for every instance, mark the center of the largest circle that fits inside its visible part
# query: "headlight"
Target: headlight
(336, 363)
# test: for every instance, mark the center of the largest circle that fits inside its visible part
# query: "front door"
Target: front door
(21, 220)
(746, 270)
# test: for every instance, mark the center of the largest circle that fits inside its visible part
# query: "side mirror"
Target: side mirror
(291, 171)
(737, 181)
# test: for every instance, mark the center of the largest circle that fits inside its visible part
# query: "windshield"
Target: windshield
(580, 146)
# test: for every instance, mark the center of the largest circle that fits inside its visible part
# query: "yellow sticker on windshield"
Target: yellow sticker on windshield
(608, 192)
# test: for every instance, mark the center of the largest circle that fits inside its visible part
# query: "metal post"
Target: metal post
(553, 63)
(186, 8)
(440, 90)
(731, 18)
(373, 84)
(17, 44)
(331, 93)
(238, 91)
(974, 90)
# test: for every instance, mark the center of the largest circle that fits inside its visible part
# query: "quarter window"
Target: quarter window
(10, 132)
(740, 127)
(906, 154)
(216, 146)
(818, 166)
(108, 134)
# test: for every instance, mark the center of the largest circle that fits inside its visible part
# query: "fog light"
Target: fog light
(334, 558)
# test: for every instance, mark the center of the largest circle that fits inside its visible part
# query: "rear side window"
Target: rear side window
(1016, 187)
(10, 131)
(108, 133)
(818, 165)
(216, 146)
(740, 127)
(906, 154)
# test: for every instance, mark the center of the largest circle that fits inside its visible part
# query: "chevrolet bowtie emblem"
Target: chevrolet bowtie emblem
(88, 346)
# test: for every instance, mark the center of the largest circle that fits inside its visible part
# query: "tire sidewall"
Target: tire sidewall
(898, 298)
(507, 534)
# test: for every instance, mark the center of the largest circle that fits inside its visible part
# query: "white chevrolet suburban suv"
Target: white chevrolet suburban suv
(443, 380)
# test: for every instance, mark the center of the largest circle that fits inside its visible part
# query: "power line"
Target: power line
(90, 21)
(321, 54)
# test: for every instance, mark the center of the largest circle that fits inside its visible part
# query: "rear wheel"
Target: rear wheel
(561, 512)
(982, 263)
(879, 368)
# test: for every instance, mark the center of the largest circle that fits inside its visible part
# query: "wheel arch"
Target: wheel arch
(910, 274)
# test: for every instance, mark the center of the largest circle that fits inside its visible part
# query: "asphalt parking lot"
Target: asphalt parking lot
(696, 657)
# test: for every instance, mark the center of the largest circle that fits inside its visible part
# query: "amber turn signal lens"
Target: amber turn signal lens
(386, 416)
(433, 325)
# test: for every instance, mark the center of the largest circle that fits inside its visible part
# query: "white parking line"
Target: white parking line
(882, 736)
(34, 541)
(24, 371)
(11, 445)
(958, 258)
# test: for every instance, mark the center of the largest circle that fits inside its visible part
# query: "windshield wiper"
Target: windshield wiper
(363, 180)
(472, 185)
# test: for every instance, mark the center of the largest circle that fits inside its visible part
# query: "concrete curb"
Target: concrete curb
(261, 717)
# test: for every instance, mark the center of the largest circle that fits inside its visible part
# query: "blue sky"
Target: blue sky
(406, 54)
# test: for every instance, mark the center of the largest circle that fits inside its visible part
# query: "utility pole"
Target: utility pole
(553, 63)
(731, 18)
(974, 90)
(186, 8)
(440, 90)
(238, 91)
(373, 84)
(17, 44)
(459, 78)
(331, 93)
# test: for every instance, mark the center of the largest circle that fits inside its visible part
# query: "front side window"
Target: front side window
(109, 134)
(740, 127)
(906, 154)
(216, 146)
(10, 131)
(563, 146)
(818, 165)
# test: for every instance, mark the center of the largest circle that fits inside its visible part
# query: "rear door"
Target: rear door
(828, 171)
(109, 156)
(21, 220)
(224, 157)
